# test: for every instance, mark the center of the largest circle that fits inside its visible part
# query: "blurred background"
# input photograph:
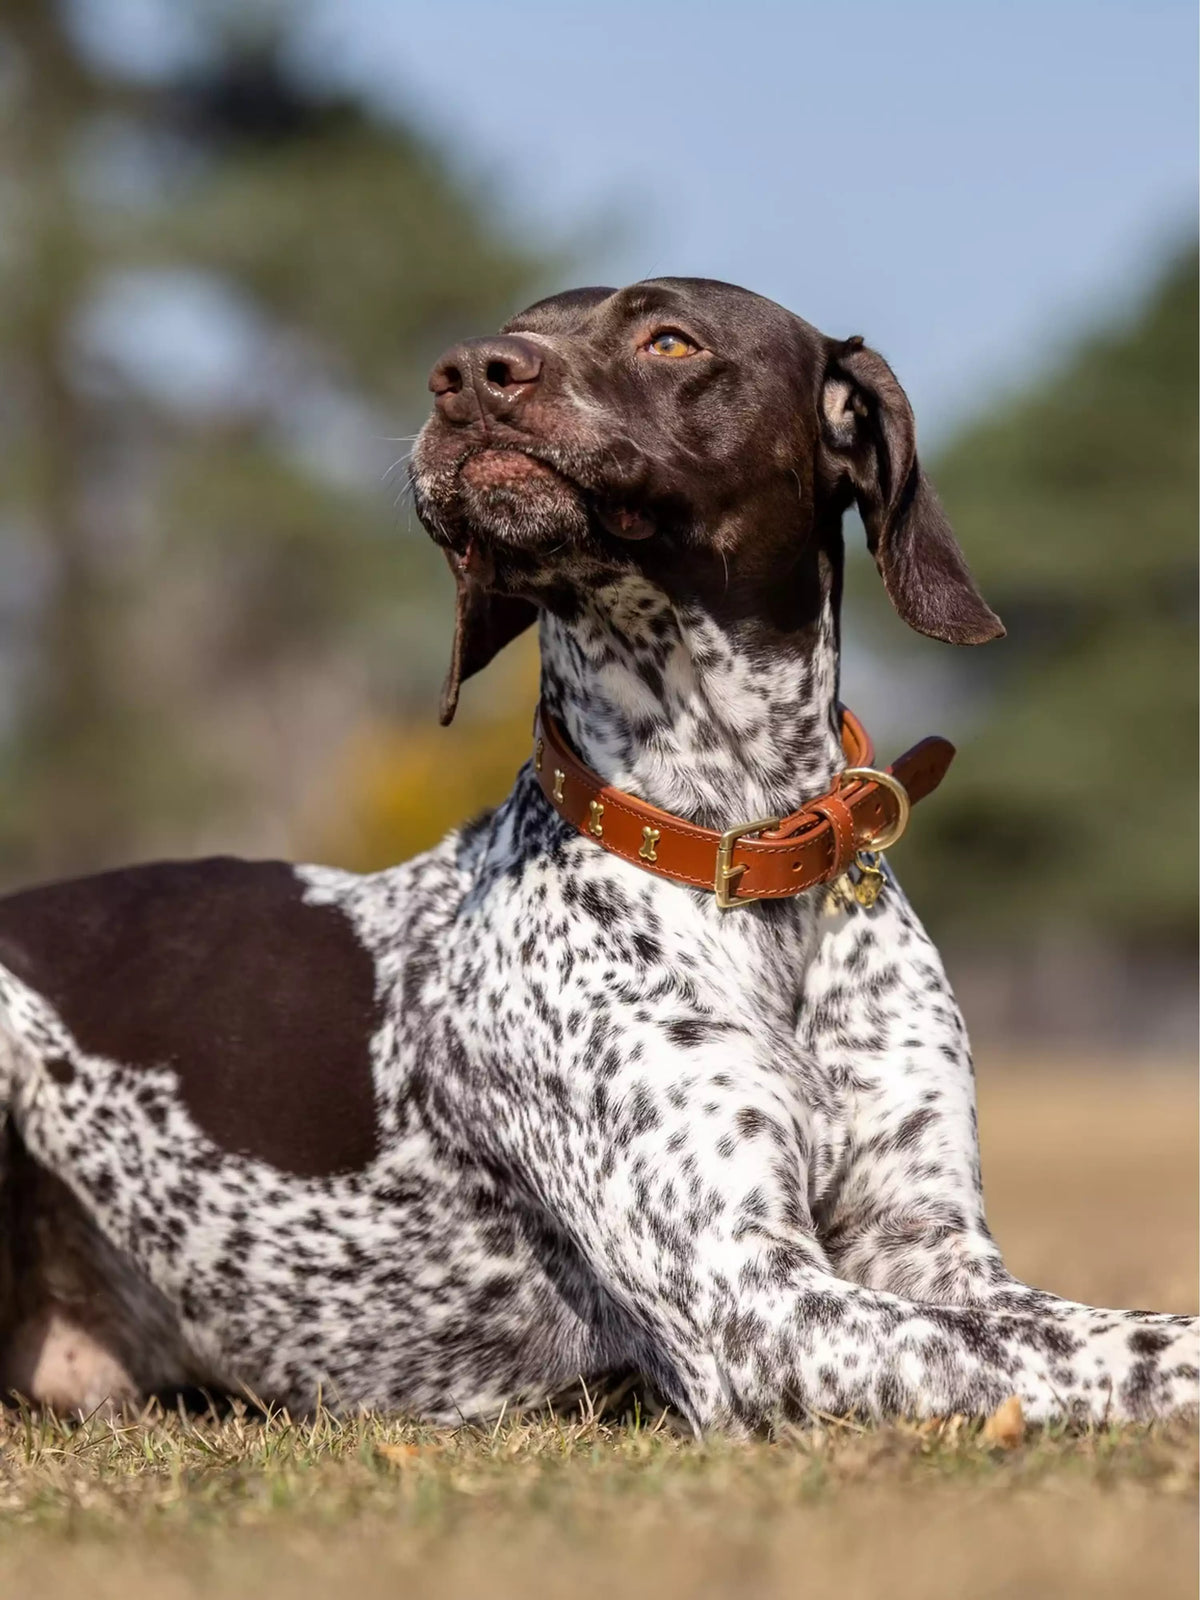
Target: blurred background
(234, 235)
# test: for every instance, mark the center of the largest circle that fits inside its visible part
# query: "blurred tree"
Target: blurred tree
(220, 285)
(1074, 806)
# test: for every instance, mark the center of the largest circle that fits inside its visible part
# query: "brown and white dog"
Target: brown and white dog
(520, 1111)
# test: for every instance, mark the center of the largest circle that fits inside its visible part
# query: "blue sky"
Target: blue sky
(966, 184)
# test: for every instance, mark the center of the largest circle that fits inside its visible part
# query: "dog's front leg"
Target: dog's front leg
(674, 1151)
(906, 1213)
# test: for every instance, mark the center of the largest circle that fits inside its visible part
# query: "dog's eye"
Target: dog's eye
(671, 343)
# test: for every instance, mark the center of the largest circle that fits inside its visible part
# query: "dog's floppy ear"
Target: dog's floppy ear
(868, 429)
(483, 624)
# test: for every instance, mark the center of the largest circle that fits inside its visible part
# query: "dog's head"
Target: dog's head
(687, 430)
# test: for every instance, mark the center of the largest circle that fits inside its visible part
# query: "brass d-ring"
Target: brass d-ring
(886, 839)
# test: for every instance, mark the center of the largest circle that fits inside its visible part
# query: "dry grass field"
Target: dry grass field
(1093, 1185)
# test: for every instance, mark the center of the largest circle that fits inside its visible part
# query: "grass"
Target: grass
(1096, 1174)
(170, 1505)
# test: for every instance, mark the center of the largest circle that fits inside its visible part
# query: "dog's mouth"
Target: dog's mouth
(509, 470)
(512, 496)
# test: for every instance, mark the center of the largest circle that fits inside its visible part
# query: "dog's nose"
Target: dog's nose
(489, 375)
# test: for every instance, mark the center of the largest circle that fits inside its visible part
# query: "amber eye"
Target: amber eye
(670, 343)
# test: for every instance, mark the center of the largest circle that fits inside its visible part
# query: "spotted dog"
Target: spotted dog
(452, 1135)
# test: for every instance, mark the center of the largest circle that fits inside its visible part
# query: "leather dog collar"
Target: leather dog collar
(864, 813)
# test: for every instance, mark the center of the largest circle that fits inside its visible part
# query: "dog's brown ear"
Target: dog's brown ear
(483, 624)
(869, 430)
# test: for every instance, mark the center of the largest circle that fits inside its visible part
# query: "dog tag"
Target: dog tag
(870, 881)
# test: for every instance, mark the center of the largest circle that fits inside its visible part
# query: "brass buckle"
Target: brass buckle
(726, 873)
(889, 836)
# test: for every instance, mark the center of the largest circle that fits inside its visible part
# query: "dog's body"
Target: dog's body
(518, 1112)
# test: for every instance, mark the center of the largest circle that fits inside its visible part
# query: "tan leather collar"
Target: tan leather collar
(767, 858)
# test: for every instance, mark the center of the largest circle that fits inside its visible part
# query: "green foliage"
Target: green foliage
(197, 596)
(1074, 805)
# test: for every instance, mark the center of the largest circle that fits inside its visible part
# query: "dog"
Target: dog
(593, 1086)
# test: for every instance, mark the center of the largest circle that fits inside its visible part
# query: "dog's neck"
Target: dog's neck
(717, 723)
